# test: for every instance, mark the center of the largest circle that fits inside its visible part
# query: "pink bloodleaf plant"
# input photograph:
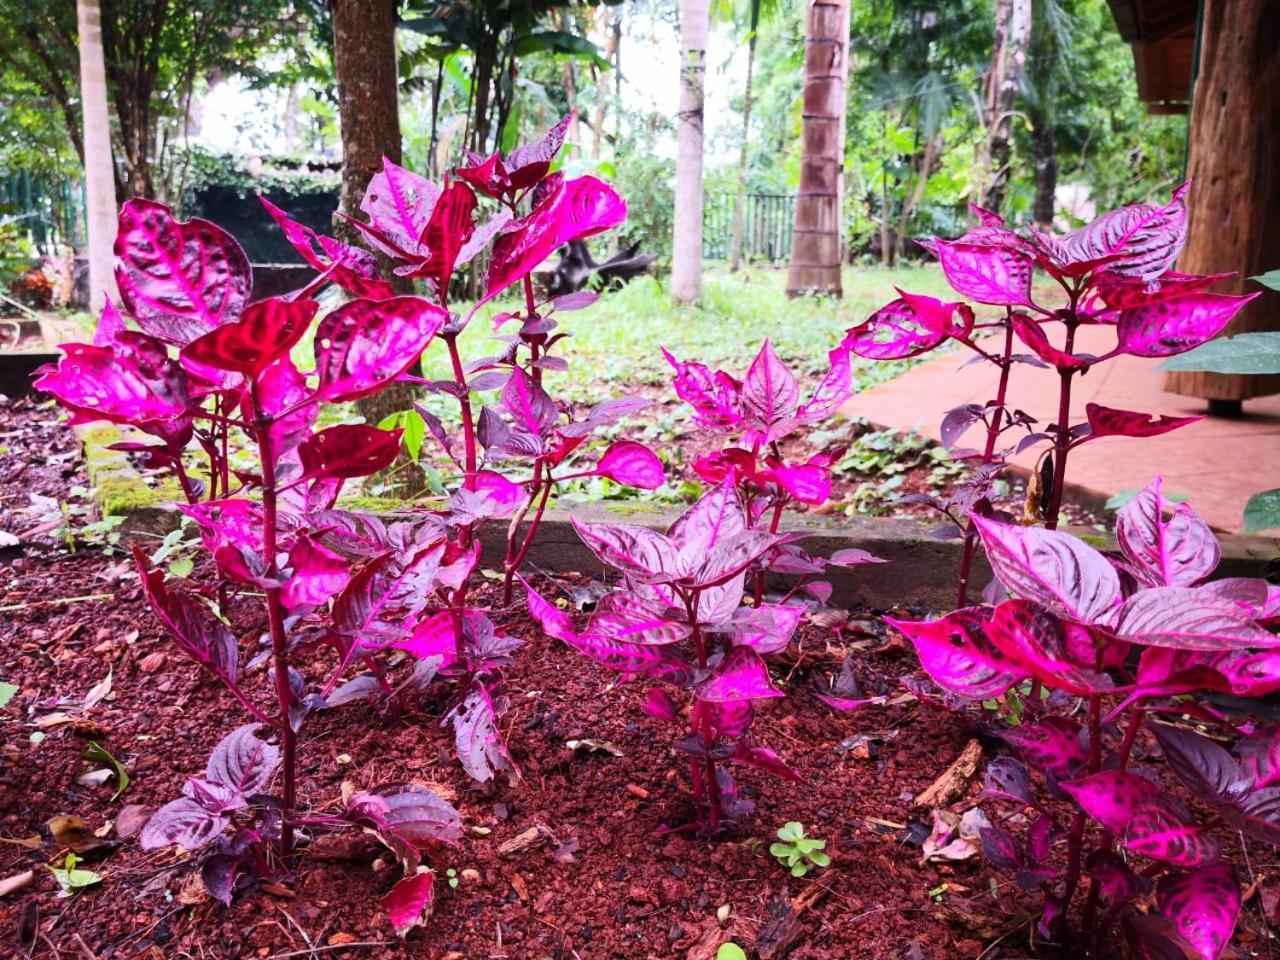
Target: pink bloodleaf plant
(207, 368)
(1141, 641)
(1115, 272)
(677, 619)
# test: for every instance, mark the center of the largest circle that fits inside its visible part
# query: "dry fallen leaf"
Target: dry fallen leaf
(593, 746)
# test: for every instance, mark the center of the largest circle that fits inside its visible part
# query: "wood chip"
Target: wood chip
(520, 887)
(16, 882)
(526, 840)
(954, 780)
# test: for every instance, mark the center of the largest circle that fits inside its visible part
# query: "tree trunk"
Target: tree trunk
(602, 86)
(364, 59)
(1044, 142)
(815, 241)
(99, 169)
(1008, 60)
(686, 246)
(931, 150)
(1234, 153)
(740, 196)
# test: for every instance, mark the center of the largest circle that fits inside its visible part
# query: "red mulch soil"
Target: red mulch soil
(600, 882)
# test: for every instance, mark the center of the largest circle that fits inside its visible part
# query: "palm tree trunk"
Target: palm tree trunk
(686, 245)
(740, 196)
(815, 244)
(1008, 61)
(99, 169)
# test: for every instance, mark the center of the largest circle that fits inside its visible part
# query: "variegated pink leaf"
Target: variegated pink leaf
(1110, 422)
(1162, 828)
(363, 345)
(1203, 906)
(770, 394)
(399, 205)
(955, 652)
(263, 333)
(1176, 326)
(1175, 551)
(1190, 618)
(1050, 744)
(408, 904)
(1110, 797)
(632, 464)
(1140, 240)
(477, 736)
(986, 274)
(742, 675)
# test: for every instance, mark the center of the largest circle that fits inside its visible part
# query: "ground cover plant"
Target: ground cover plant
(1141, 637)
(327, 578)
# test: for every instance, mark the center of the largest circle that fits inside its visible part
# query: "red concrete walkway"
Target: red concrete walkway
(1218, 463)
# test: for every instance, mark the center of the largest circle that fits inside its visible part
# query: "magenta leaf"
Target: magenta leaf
(1123, 293)
(1052, 568)
(132, 382)
(627, 617)
(365, 344)
(1203, 906)
(281, 388)
(381, 600)
(1032, 334)
(907, 327)
(408, 904)
(399, 205)
(349, 450)
(444, 237)
(638, 552)
(528, 164)
(504, 495)
(1139, 240)
(632, 464)
(1163, 828)
(1110, 797)
(806, 482)
(178, 278)
(660, 706)
(770, 394)
(1051, 745)
(242, 762)
(763, 758)
(408, 818)
(202, 637)
(1190, 618)
(1000, 847)
(1176, 326)
(742, 675)
(478, 739)
(110, 324)
(832, 391)
(265, 331)
(1110, 422)
(351, 268)
(716, 517)
(657, 662)
(1177, 551)
(766, 629)
(575, 210)
(314, 575)
(955, 652)
(713, 396)
(555, 622)
(185, 822)
(986, 274)
(1031, 637)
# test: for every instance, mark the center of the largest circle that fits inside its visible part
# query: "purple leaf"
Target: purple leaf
(529, 163)
(770, 394)
(555, 622)
(907, 327)
(363, 345)
(632, 464)
(763, 758)
(1259, 754)
(1176, 326)
(1110, 797)
(765, 629)
(478, 739)
(717, 516)
(1051, 745)
(1176, 552)
(202, 637)
(407, 817)
(1203, 906)
(658, 663)
(529, 406)
(986, 274)
(1189, 618)
(408, 903)
(1110, 422)
(575, 210)
(379, 602)
(264, 332)
(1000, 847)
(1051, 568)
(1007, 779)
(178, 278)
(955, 652)
(638, 552)
(505, 495)
(1255, 812)
(742, 675)
(957, 420)
(351, 268)
(349, 450)
(1119, 883)
(1204, 766)
(314, 575)
(184, 822)
(242, 762)
(626, 617)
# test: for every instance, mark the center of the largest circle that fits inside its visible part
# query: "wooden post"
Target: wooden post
(1234, 164)
(816, 239)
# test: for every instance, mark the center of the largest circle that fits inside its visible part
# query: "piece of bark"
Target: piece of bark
(954, 780)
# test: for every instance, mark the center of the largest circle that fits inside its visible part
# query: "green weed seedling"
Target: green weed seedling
(797, 852)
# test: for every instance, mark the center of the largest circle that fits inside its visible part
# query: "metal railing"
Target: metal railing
(48, 210)
(767, 223)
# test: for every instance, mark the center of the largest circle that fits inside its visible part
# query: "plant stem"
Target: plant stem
(988, 454)
(275, 618)
(1062, 438)
(513, 562)
(702, 724)
(458, 601)
(773, 528)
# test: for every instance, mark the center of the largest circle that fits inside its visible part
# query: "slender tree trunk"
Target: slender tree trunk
(1008, 61)
(909, 203)
(364, 58)
(815, 243)
(602, 86)
(1234, 153)
(686, 246)
(99, 169)
(740, 196)
(1044, 142)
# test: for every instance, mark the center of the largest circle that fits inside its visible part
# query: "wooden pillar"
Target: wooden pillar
(1234, 164)
(815, 242)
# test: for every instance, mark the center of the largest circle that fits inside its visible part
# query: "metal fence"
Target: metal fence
(49, 211)
(767, 226)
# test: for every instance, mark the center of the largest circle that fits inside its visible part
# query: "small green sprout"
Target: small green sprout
(70, 880)
(797, 851)
(452, 876)
(730, 951)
